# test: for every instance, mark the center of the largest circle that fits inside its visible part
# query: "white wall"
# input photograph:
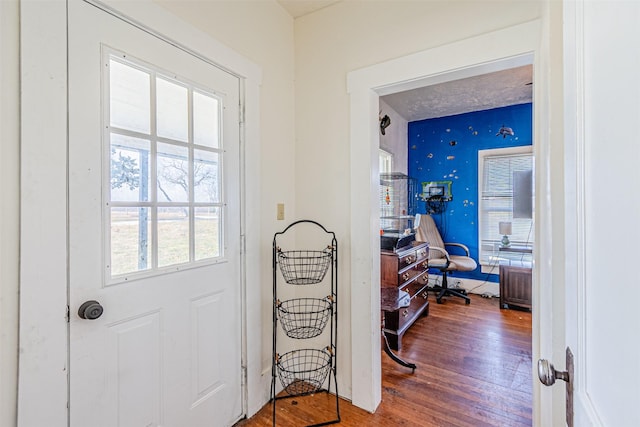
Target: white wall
(9, 209)
(395, 139)
(342, 38)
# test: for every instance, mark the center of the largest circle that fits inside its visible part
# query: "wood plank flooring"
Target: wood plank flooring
(474, 369)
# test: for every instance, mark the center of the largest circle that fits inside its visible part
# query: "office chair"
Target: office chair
(439, 258)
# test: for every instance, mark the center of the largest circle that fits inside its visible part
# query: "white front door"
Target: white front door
(602, 211)
(154, 230)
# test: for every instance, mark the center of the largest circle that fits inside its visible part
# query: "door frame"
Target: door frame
(477, 55)
(43, 330)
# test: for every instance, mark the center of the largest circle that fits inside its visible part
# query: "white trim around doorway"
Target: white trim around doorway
(498, 50)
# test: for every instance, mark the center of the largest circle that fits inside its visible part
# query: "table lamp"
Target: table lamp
(505, 230)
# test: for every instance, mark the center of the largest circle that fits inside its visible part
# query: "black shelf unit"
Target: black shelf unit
(305, 371)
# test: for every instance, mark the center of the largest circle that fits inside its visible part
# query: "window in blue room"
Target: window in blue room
(496, 193)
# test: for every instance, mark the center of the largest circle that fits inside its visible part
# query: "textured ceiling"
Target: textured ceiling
(298, 8)
(493, 90)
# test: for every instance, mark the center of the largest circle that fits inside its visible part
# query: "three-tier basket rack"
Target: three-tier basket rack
(309, 320)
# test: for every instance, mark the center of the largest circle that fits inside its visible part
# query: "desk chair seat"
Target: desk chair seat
(441, 259)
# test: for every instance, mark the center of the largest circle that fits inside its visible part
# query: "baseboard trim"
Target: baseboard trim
(473, 286)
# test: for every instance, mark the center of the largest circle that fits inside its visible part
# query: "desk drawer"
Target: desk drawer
(412, 257)
(417, 271)
(407, 259)
(401, 319)
(417, 288)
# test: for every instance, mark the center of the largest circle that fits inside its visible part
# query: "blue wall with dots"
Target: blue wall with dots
(446, 149)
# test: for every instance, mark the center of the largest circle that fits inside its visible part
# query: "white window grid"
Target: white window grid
(153, 204)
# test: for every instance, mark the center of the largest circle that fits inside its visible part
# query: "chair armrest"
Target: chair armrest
(460, 245)
(442, 251)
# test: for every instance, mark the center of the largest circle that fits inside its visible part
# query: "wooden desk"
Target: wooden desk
(405, 269)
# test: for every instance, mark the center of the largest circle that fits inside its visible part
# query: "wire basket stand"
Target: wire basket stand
(304, 267)
(303, 318)
(306, 371)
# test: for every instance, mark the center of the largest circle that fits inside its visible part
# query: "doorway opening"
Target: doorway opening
(477, 148)
(473, 140)
(507, 48)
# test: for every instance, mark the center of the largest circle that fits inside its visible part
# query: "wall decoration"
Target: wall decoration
(436, 189)
(384, 123)
(504, 131)
(435, 159)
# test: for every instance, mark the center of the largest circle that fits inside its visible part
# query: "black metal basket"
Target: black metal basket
(304, 267)
(303, 371)
(304, 317)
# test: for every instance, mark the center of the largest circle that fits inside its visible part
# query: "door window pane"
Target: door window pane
(129, 168)
(164, 200)
(173, 236)
(207, 232)
(130, 240)
(172, 110)
(205, 120)
(205, 177)
(173, 173)
(129, 97)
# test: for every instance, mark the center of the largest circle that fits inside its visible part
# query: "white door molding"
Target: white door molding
(507, 48)
(42, 384)
(43, 388)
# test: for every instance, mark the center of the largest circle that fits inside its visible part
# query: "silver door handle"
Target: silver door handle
(548, 374)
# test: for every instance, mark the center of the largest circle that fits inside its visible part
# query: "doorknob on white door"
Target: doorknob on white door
(548, 374)
(90, 310)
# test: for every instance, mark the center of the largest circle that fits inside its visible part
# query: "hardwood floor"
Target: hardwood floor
(474, 369)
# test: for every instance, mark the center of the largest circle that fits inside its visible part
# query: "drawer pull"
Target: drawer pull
(409, 260)
(425, 264)
(405, 276)
(424, 295)
(405, 312)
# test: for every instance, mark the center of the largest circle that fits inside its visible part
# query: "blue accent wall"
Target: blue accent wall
(446, 149)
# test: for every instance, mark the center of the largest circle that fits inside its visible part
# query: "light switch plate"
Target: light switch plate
(280, 212)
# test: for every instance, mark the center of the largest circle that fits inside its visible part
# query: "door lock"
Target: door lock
(90, 310)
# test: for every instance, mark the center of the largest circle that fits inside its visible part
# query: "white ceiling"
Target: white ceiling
(298, 8)
(484, 92)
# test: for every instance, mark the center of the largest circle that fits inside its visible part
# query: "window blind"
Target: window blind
(496, 194)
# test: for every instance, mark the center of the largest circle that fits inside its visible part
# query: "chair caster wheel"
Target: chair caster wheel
(467, 301)
(439, 300)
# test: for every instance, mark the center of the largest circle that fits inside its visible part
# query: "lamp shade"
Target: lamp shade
(505, 228)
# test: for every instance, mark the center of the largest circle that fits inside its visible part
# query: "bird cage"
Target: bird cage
(398, 201)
